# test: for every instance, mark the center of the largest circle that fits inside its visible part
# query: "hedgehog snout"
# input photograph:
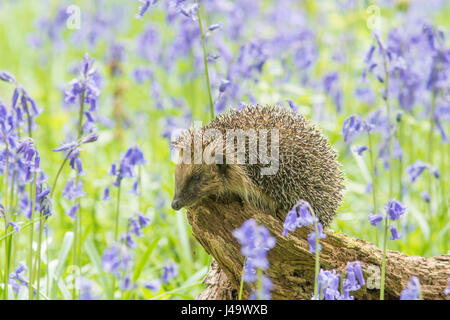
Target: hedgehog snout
(176, 204)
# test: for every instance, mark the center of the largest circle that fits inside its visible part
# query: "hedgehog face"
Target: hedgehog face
(194, 182)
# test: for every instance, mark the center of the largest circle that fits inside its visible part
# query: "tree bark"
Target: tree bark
(292, 265)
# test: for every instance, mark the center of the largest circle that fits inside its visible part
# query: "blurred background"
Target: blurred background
(148, 79)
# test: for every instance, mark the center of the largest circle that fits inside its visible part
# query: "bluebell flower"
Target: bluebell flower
(127, 284)
(6, 76)
(31, 158)
(255, 242)
(86, 288)
(266, 287)
(250, 273)
(214, 26)
(144, 7)
(224, 84)
(116, 259)
(355, 278)
(394, 234)
(144, 221)
(416, 169)
(19, 278)
(106, 195)
(292, 105)
(86, 86)
(190, 11)
(328, 283)
(352, 127)
(15, 226)
(412, 290)
(72, 212)
(394, 209)
(73, 190)
(298, 217)
(153, 285)
(361, 149)
(312, 238)
(141, 74)
(128, 240)
(170, 271)
(134, 226)
(425, 196)
(375, 219)
(133, 157)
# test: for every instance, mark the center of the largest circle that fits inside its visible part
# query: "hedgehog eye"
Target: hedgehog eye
(196, 178)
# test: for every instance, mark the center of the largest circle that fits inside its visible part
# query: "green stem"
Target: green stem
(6, 217)
(205, 61)
(58, 174)
(77, 222)
(41, 228)
(372, 171)
(116, 227)
(383, 263)
(30, 253)
(241, 285)
(260, 284)
(388, 107)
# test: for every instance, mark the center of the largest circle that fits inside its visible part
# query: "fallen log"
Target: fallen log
(292, 265)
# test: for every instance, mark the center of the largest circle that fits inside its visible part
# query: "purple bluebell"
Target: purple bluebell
(292, 105)
(6, 76)
(266, 287)
(214, 26)
(328, 283)
(85, 88)
(128, 240)
(106, 195)
(425, 196)
(394, 209)
(394, 234)
(354, 281)
(134, 226)
(312, 238)
(144, 7)
(170, 271)
(255, 241)
(72, 212)
(15, 226)
(416, 169)
(117, 259)
(190, 11)
(133, 157)
(298, 217)
(412, 290)
(375, 219)
(224, 84)
(127, 284)
(153, 285)
(352, 127)
(144, 221)
(360, 149)
(19, 278)
(86, 288)
(73, 190)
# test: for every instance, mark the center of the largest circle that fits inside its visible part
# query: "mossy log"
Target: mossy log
(291, 263)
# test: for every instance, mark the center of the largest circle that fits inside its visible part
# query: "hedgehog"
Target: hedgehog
(303, 165)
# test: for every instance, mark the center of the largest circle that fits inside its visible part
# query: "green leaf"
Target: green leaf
(91, 251)
(62, 256)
